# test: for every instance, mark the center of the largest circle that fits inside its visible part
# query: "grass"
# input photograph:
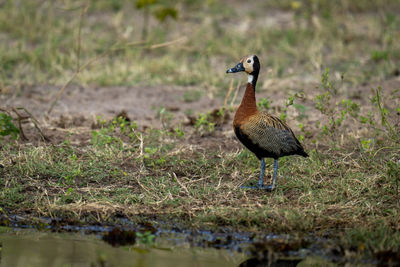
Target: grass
(191, 174)
(142, 173)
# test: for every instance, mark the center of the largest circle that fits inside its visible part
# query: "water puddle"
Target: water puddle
(27, 247)
(53, 242)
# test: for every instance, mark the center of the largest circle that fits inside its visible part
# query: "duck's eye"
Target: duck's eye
(249, 61)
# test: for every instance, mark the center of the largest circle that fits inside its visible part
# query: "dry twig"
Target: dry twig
(229, 93)
(22, 118)
(182, 185)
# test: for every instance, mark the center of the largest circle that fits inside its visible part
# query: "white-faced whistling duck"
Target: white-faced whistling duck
(263, 134)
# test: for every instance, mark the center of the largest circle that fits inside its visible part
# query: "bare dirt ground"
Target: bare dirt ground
(140, 103)
(77, 110)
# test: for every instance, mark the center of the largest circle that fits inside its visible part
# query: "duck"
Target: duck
(263, 134)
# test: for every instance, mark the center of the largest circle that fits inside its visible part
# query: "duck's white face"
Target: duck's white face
(248, 63)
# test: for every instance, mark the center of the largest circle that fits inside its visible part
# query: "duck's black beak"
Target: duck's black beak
(237, 68)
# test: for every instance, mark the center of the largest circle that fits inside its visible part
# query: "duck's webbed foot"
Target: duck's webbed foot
(260, 184)
(268, 188)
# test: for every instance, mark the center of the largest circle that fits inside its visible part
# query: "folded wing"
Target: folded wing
(270, 136)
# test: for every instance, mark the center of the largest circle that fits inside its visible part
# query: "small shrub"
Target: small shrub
(146, 238)
(380, 55)
(107, 135)
(335, 111)
(203, 124)
(7, 127)
(290, 102)
(264, 103)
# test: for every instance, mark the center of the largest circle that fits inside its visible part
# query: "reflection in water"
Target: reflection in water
(26, 248)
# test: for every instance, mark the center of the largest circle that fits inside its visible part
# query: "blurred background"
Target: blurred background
(192, 42)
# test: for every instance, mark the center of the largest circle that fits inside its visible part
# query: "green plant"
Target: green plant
(179, 131)
(327, 84)
(7, 127)
(165, 117)
(149, 151)
(366, 145)
(69, 178)
(290, 102)
(383, 112)
(103, 137)
(145, 238)
(203, 124)
(153, 156)
(69, 195)
(108, 134)
(264, 103)
(344, 107)
(380, 55)
(322, 101)
(125, 126)
(368, 119)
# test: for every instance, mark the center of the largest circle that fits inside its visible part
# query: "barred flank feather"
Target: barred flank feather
(270, 137)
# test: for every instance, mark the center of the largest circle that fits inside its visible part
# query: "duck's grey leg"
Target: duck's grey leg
(261, 179)
(272, 186)
(262, 171)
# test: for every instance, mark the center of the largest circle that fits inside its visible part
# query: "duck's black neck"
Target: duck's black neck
(252, 78)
